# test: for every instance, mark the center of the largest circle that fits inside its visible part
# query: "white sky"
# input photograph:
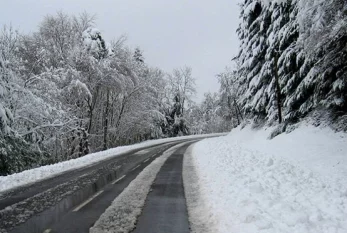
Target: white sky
(197, 33)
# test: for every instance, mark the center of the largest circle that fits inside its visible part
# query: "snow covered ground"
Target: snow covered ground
(296, 182)
(44, 172)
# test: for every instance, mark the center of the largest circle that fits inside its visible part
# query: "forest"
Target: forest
(66, 92)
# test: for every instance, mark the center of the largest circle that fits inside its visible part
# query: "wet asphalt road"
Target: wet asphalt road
(165, 210)
(82, 217)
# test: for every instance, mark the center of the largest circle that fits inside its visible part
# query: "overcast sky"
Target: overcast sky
(197, 33)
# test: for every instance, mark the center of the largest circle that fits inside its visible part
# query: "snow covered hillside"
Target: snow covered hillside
(296, 182)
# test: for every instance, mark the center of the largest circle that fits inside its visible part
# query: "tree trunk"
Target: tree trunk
(73, 147)
(91, 105)
(106, 119)
(86, 149)
(278, 89)
(238, 109)
(182, 107)
(80, 146)
(121, 112)
(90, 120)
(230, 111)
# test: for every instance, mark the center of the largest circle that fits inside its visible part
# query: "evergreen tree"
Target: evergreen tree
(255, 21)
(292, 58)
(323, 39)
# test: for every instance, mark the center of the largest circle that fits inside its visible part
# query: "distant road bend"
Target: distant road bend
(71, 202)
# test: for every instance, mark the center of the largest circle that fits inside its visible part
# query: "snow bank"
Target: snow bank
(121, 216)
(44, 172)
(296, 182)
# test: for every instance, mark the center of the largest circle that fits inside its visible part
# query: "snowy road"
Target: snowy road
(73, 201)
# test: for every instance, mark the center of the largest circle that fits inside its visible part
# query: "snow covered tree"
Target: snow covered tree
(16, 153)
(251, 58)
(8, 44)
(212, 119)
(323, 34)
(181, 88)
(94, 43)
(292, 58)
(271, 65)
(138, 55)
(229, 107)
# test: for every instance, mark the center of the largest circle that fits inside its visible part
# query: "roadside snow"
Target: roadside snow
(199, 219)
(121, 216)
(296, 182)
(44, 172)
